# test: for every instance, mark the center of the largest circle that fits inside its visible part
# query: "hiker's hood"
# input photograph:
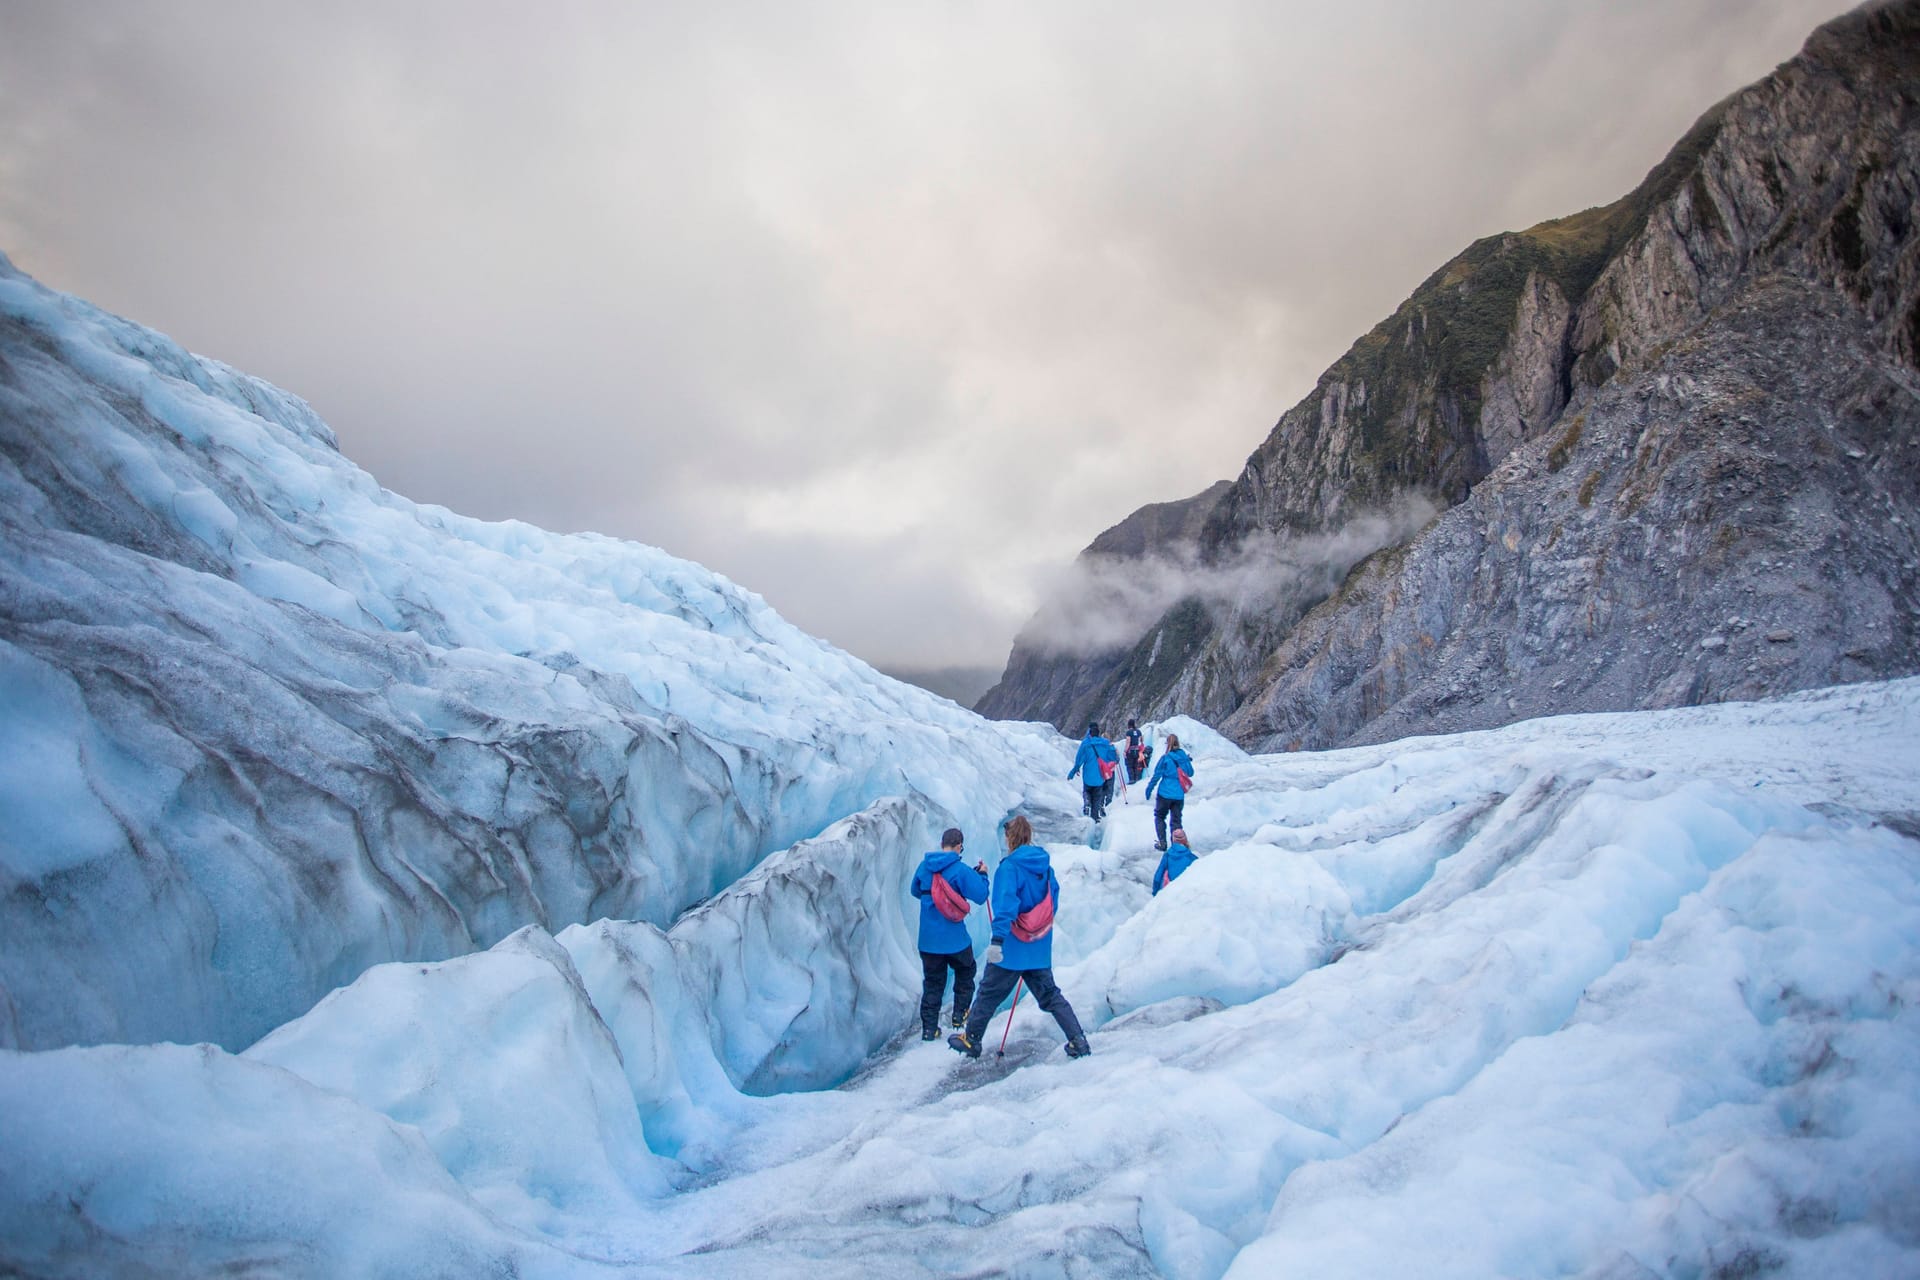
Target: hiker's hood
(938, 862)
(1032, 859)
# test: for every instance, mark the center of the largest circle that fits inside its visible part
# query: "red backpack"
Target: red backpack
(947, 900)
(1186, 779)
(1036, 922)
(1106, 770)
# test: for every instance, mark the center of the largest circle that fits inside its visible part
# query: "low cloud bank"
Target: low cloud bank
(1104, 603)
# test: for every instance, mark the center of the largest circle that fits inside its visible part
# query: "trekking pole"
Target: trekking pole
(1010, 1011)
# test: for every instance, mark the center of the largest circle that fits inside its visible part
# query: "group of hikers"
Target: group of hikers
(1024, 897)
(1098, 761)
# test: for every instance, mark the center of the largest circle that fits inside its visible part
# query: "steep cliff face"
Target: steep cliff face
(1734, 521)
(1805, 181)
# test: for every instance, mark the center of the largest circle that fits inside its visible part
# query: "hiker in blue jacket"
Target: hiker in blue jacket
(1137, 752)
(1095, 763)
(1168, 792)
(1173, 862)
(1023, 880)
(944, 943)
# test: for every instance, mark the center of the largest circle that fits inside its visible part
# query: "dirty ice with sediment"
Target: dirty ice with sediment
(392, 893)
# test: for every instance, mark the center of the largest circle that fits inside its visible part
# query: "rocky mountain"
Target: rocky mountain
(1048, 677)
(1672, 440)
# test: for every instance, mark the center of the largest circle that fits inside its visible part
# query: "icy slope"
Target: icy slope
(268, 724)
(1608, 996)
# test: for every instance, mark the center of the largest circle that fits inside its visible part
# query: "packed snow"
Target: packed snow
(543, 902)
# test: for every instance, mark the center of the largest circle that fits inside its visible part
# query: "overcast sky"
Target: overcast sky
(882, 310)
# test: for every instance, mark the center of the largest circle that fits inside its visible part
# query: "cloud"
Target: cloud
(715, 276)
(1103, 604)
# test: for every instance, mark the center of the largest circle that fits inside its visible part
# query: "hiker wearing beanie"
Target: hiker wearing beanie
(1095, 763)
(1025, 896)
(1172, 779)
(945, 885)
(1175, 860)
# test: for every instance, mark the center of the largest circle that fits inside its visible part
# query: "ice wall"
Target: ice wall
(269, 725)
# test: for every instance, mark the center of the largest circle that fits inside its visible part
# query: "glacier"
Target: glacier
(391, 893)
(308, 726)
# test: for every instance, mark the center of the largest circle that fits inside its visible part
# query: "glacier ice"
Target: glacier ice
(543, 899)
(1652, 996)
(275, 724)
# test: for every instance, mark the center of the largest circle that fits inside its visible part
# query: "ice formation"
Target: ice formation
(269, 724)
(608, 865)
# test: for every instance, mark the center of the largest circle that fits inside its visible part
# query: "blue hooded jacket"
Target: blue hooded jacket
(1166, 775)
(1093, 749)
(1175, 860)
(1022, 880)
(938, 935)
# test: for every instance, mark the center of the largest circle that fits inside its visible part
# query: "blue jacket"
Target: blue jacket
(1166, 775)
(1175, 860)
(1093, 749)
(938, 935)
(1022, 879)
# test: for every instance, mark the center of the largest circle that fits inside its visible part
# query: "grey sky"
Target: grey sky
(882, 310)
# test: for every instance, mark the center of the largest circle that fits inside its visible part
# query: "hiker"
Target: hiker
(1173, 862)
(1172, 778)
(1137, 753)
(944, 884)
(1022, 947)
(1095, 763)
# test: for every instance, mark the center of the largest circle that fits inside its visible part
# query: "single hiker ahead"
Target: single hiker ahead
(945, 885)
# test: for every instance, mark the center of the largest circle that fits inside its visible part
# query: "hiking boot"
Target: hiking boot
(959, 1019)
(1161, 847)
(1078, 1047)
(959, 1043)
(929, 1033)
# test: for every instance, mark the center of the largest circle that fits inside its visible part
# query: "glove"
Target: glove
(994, 952)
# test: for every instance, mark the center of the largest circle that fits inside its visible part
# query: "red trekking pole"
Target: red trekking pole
(1002, 1052)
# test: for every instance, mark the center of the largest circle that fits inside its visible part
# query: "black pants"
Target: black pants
(998, 983)
(935, 967)
(1097, 801)
(1161, 808)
